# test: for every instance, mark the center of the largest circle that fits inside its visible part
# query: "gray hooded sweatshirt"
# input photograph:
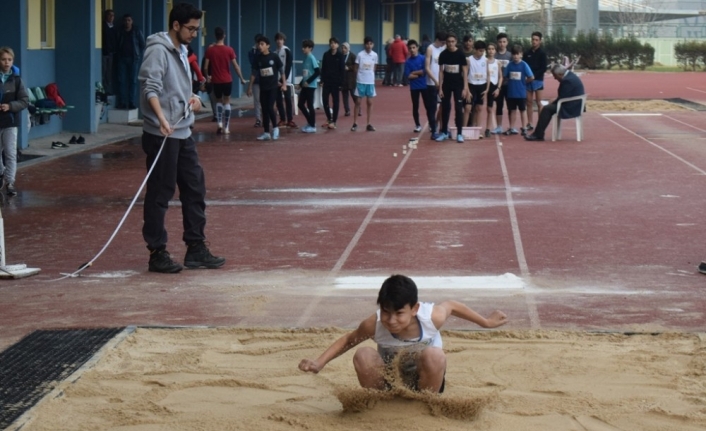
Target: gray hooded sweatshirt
(165, 74)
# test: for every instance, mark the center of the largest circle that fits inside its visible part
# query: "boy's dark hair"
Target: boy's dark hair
(107, 12)
(501, 36)
(257, 36)
(440, 35)
(183, 13)
(451, 34)
(220, 33)
(263, 39)
(516, 49)
(367, 40)
(412, 42)
(538, 34)
(280, 36)
(492, 44)
(308, 43)
(396, 292)
(467, 37)
(479, 44)
(333, 39)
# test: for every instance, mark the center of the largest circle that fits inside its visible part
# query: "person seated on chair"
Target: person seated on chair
(569, 86)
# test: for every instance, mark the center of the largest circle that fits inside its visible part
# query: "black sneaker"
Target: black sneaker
(487, 133)
(80, 140)
(370, 128)
(258, 123)
(702, 267)
(72, 140)
(161, 261)
(198, 256)
(529, 127)
(11, 190)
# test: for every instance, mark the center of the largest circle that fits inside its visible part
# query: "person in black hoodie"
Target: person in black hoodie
(130, 48)
(13, 99)
(333, 68)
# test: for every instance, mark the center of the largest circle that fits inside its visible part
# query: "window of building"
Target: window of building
(323, 9)
(357, 10)
(40, 24)
(387, 13)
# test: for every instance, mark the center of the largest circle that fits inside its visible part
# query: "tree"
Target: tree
(460, 18)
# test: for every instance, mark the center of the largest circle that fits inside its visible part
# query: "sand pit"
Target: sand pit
(633, 106)
(240, 379)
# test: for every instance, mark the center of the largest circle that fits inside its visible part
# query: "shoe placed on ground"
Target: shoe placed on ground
(347, 114)
(435, 136)
(487, 133)
(523, 131)
(72, 140)
(325, 125)
(370, 128)
(533, 138)
(332, 126)
(459, 138)
(309, 129)
(282, 124)
(11, 189)
(57, 144)
(264, 137)
(509, 132)
(497, 131)
(354, 127)
(441, 137)
(198, 256)
(529, 127)
(80, 140)
(292, 125)
(417, 129)
(275, 133)
(702, 267)
(161, 261)
(258, 123)
(226, 131)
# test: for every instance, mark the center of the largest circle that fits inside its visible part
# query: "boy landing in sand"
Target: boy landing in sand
(403, 328)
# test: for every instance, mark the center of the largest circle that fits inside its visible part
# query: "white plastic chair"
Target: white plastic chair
(556, 129)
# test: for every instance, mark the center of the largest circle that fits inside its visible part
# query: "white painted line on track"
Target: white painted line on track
(685, 123)
(691, 165)
(519, 249)
(417, 220)
(493, 282)
(631, 114)
(694, 89)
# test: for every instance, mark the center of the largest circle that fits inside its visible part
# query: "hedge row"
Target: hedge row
(691, 54)
(596, 51)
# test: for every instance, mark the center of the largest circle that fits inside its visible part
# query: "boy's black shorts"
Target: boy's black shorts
(221, 90)
(477, 93)
(491, 98)
(501, 100)
(513, 104)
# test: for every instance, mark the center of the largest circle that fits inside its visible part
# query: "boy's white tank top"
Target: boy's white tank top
(430, 336)
(434, 63)
(494, 72)
(478, 72)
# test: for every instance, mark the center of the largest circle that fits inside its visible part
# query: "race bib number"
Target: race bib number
(451, 68)
(516, 76)
(368, 66)
(478, 76)
(266, 71)
(435, 60)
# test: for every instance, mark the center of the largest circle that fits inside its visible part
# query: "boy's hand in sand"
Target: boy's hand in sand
(496, 318)
(310, 366)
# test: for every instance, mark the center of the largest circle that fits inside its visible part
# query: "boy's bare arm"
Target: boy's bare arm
(365, 330)
(454, 308)
(236, 66)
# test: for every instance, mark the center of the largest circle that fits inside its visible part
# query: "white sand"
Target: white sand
(633, 106)
(241, 379)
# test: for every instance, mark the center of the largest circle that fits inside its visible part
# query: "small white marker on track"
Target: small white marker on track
(394, 154)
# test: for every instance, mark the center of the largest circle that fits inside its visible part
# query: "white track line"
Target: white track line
(694, 89)
(696, 168)
(686, 124)
(519, 249)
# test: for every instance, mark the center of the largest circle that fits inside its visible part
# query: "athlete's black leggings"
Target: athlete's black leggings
(455, 94)
(306, 105)
(415, 105)
(267, 102)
